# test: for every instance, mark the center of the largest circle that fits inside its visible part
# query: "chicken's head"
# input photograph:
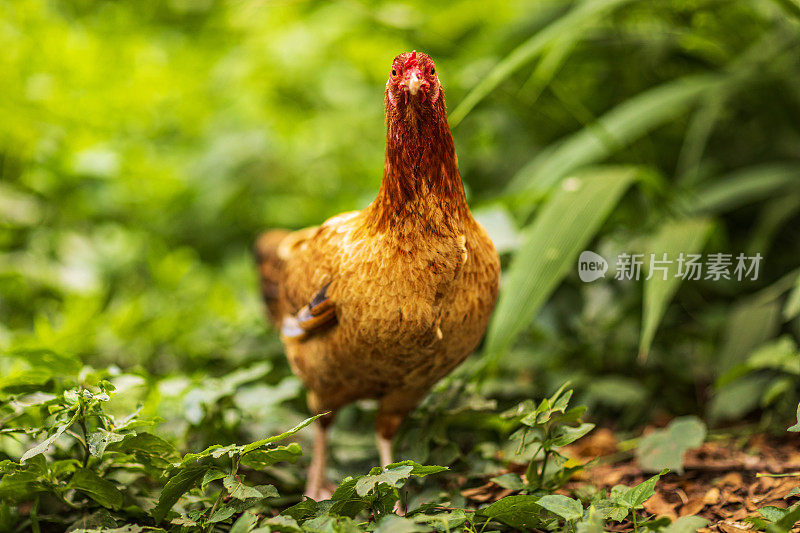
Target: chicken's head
(412, 78)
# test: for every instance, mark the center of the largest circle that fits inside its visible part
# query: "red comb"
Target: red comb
(411, 61)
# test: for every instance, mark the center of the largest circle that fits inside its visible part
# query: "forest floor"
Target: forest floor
(725, 481)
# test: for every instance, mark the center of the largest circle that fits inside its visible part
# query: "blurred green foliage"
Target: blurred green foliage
(144, 145)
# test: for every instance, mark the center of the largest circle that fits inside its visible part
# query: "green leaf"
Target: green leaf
(391, 476)
(417, 469)
(568, 434)
(520, 511)
(745, 186)
(752, 322)
(244, 523)
(222, 513)
(240, 491)
(100, 490)
(572, 23)
(260, 459)
(18, 486)
(550, 247)
(737, 398)
(772, 513)
(611, 509)
(565, 507)
(593, 523)
(100, 439)
(682, 236)
(686, 524)
(509, 481)
(283, 524)
(43, 446)
(664, 448)
(37, 366)
(285, 435)
(211, 475)
(634, 497)
(791, 308)
(177, 486)
(623, 124)
(796, 428)
(147, 443)
(398, 524)
(788, 521)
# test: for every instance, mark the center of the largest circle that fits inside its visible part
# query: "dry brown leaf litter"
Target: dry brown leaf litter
(721, 481)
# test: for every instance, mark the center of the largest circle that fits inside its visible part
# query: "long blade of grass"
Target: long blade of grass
(687, 236)
(753, 321)
(791, 308)
(550, 247)
(623, 124)
(745, 186)
(571, 23)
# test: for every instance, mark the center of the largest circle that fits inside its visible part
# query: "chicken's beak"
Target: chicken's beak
(414, 83)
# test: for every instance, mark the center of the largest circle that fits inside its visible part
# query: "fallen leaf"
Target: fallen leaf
(693, 507)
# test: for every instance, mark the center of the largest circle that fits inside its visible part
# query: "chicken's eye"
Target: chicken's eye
(433, 71)
(394, 72)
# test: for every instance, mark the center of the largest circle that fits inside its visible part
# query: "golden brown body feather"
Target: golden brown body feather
(384, 302)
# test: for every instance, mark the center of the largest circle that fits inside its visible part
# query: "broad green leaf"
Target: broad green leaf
(245, 523)
(686, 524)
(772, 513)
(752, 322)
(788, 521)
(391, 476)
(259, 459)
(572, 23)
(664, 448)
(623, 124)
(100, 439)
(550, 247)
(180, 483)
(211, 475)
(237, 489)
(737, 398)
(611, 509)
(418, 469)
(779, 354)
(19, 485)
(569, 434)
(635, 496)
(100, 490)
(284, 524)
(674, 238)
(398, 524)
(565, 507)
(509, 481)
(223, 512)
(521, 511)
(144, 442)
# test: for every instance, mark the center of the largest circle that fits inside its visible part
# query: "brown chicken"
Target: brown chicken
(382, 303)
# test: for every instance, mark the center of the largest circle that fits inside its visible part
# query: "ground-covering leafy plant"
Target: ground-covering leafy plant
(145, 144)
(85, 469)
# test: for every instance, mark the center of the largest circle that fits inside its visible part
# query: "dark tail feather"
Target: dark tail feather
(270, 267)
